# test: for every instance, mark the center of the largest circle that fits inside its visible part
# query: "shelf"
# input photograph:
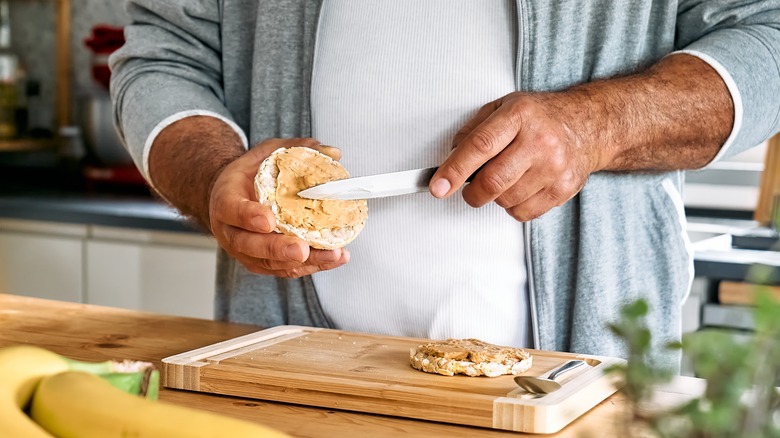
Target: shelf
(27, 145)
(62, 66)
(770, 183)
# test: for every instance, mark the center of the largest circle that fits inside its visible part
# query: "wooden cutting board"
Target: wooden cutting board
(371, 373)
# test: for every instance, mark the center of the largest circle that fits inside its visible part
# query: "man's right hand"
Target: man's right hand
(244, 227)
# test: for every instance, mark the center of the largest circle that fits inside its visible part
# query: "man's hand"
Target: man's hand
(201, 167)
(538, 149)
(244, 227)
(537, 162)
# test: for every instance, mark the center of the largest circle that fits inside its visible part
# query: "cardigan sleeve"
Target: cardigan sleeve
(169, 68)
(741, 40)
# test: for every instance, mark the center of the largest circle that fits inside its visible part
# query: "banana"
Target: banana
(15, 423)
(76, 404)
(22, 367)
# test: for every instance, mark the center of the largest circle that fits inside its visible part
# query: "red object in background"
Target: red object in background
(103, 41)
(127, 175)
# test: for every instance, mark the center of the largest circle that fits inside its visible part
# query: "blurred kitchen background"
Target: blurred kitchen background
(61, 90)
(77, 223)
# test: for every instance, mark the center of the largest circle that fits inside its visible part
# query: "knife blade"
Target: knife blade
(374, 186)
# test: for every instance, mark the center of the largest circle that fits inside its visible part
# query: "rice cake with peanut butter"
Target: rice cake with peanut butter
(471, 357)
(322, 223)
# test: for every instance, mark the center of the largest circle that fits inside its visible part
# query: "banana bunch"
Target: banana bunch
(23, 367)
(80, 405)
(67, 398)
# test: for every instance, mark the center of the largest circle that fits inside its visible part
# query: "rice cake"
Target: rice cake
(471, 357)
(322, 223)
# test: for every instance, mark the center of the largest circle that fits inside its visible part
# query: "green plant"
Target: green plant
(638, 375)
(740, 399)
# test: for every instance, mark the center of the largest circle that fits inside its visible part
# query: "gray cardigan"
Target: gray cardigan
(621, 238)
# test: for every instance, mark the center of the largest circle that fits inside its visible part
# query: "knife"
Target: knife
(374, 186)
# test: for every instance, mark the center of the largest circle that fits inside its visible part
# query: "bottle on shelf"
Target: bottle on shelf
(21, 112)
(72, 153)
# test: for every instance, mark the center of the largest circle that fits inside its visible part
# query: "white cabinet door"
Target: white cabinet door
(178, 281)
(113, 274)
(43, 260)
(152, 272)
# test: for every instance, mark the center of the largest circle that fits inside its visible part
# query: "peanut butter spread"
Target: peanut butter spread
(299, 170)
(472, 350)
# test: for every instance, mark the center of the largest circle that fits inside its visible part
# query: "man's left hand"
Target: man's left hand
(533, 159)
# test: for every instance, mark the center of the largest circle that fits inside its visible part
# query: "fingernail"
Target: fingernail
(440, 187)
(293, 252)
(261, 224)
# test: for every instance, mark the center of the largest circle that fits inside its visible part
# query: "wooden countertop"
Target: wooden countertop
(94, 333)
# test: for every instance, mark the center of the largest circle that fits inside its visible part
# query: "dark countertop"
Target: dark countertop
(45, 195)
(731, 249)
(117, 210)
(718, 259)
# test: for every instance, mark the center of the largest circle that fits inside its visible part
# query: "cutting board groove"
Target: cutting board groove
(371, 373)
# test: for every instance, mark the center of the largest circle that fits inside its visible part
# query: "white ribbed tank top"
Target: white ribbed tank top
(393, 81)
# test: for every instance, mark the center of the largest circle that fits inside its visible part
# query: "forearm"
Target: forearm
(186, 159)
(675, 115)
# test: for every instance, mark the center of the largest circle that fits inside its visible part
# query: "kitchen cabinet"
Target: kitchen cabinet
(42, 260)
(156, 271)
(164, 272)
